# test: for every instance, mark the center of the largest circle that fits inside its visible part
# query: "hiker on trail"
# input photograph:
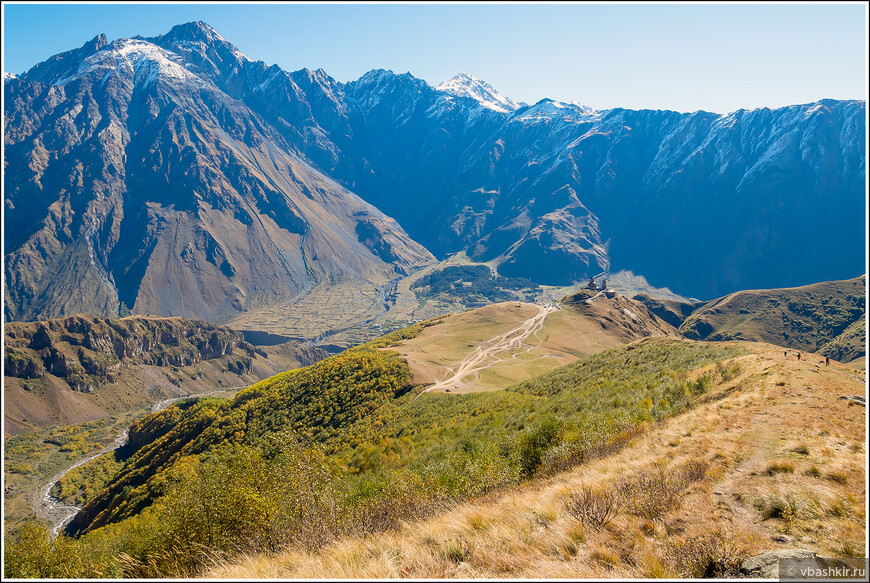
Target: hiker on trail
(827, 361)
(799, 355)
(785, 353)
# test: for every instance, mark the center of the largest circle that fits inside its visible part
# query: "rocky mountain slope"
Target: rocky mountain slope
(701, 202)
(176, 176)
(671, 311)
(136, 184)
(82, 367)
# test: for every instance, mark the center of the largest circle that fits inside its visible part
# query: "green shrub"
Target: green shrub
(31, 554)
(242, 497)
(533, 443)
(701, 385)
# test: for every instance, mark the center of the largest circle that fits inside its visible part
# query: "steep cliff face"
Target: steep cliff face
(87, 350)
(82, 367)
(136, 184)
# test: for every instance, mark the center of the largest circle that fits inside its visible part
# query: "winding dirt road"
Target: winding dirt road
(58, 513)
(486, 353)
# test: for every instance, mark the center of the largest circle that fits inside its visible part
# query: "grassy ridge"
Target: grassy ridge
(352, 407)
(849, 345)
(364, 452)
(590, 400)
(804, 317)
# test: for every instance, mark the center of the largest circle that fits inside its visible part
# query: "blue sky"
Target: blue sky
(717, 57)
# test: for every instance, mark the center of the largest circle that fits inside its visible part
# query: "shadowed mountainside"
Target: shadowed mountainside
(136, 185)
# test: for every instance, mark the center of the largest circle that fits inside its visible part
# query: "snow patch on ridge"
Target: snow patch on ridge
(145, 62)
(465, 85)
(548, 108)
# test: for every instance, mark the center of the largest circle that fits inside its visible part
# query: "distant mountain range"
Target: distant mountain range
(175, 176)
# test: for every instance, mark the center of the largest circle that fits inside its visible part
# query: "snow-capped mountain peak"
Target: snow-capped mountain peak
(198, 36)
(465, 85)
(138, 59)
(552, 109)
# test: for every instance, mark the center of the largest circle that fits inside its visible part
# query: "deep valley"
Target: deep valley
(267, 324)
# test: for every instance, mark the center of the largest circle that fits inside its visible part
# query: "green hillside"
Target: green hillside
(803, 318)
(850, 345)
(345, 445)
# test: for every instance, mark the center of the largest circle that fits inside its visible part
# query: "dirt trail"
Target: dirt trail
(486, 353)
(796, 391)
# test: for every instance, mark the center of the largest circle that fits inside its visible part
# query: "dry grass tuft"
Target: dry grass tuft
(778, 467)
(713, 554)
(456, 549)
(813, 472)
(838, 476)
(652, 493)
(604, 557)
(595, 507)
(800, 449)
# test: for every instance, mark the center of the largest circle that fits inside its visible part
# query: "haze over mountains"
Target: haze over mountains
(175, 176)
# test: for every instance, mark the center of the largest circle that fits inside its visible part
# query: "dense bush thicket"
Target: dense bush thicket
(85, 481)
(321, 402)
(343, 446)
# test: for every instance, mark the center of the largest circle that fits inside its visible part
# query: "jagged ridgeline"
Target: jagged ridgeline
(176, 176)
(357, 415)
(83, 367)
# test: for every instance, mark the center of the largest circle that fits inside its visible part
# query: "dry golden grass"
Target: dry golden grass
(567, 334)
(736, 510)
